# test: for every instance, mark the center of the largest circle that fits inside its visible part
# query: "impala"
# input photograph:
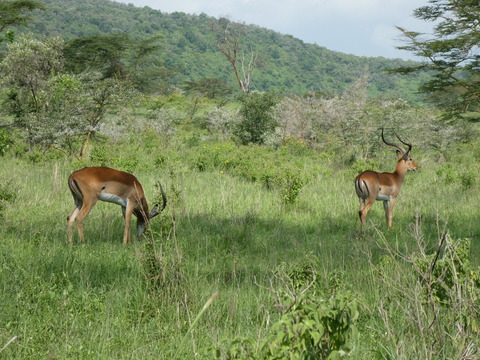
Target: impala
(371, 185)
(91, 184)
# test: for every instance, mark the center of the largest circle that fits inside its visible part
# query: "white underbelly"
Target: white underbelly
(383, 197)
(112, 198)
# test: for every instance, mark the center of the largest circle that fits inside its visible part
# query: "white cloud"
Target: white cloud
(360, 27)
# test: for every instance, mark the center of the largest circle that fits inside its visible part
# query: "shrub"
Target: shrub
(5, 141)
(257, 117)
(312, 326)
(8, 194)
(433, 297)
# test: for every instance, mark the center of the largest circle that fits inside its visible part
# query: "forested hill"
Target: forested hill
(189, 52)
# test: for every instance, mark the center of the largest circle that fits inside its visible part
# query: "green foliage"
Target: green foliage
(257, 117)
(451, 272)
(15, 13)
(436, 297)
(315, 328)
(312, 325)
(101, 155)
(189, 53)
(8, 194)
(211, 88)
(452, 51)
(275, 169)
(6, 141)
(162, 268)
(114, 55)
(293, 183)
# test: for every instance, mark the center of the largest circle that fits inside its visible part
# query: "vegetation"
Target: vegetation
(14, 13)
(452, 55)
(260, 253)
(188, 51)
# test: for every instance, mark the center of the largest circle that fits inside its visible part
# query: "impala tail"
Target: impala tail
(76, 193)
(361, 188)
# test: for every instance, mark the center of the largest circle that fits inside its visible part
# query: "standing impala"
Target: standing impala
(371, 185)
(91, 184)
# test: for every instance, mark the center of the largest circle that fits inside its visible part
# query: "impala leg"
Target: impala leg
(82, 214)
(128, 219)
(365, 205)
(71, 221)
(388, 206)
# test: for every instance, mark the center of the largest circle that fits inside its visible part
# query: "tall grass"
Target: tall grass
(221, 232)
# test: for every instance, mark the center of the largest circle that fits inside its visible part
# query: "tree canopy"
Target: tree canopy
(15, 13)
(452, 54)
(189, 51)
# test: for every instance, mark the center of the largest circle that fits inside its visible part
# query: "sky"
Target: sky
(358, 27)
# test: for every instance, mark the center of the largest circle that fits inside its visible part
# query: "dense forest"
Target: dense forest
(188, 51)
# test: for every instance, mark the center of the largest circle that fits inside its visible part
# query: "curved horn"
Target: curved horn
(404, 143)
(396, 145)
(155, 211)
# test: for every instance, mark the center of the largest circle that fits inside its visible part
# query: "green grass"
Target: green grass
(230, 235)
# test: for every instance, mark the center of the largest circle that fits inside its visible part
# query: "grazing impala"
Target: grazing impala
(91, 184)
(371, 185)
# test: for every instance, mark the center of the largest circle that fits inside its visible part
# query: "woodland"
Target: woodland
(186, 51)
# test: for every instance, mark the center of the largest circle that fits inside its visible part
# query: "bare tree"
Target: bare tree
(227, 36)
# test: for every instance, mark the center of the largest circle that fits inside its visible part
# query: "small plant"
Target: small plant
(162, 264)
(312, 325)
(315, 328)
(6, 141)
(293, 183)
(434, 295)
(468, 179)
(8, 194)
(448, 173)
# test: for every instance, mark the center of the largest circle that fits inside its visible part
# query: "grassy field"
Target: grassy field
(220, 232)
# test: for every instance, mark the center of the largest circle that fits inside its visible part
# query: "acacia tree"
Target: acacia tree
(452, 54)
(227, 36)
(54, 109)
(14, 13)
(27, 67)
(117, 56)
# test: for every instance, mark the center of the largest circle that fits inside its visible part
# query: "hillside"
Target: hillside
(289, 65)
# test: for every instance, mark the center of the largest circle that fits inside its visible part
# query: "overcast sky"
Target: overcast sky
(359, 27)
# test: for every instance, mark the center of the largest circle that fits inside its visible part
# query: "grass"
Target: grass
(230, 234)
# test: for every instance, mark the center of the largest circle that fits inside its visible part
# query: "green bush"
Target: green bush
(257, 117)
(6, 141)
(313, 327)
(8, 194)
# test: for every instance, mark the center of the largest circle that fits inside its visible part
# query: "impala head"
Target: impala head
(404, 156)
(156, 209)
(143, 218)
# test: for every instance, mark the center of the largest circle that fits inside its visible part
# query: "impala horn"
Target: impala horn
(404, 143)
(396, 145)
(156, 210)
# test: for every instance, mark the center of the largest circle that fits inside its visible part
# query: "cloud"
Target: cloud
(360, 27)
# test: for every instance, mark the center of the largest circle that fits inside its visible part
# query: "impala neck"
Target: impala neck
(400, 171)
